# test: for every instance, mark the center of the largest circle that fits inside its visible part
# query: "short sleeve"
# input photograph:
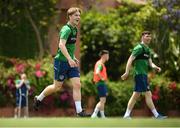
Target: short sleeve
(151, 53)
(64, 33)
(137, 51)
(27, 82)
(17, 81)
(99, 68)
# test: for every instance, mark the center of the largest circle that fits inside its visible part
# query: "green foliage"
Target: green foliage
(18, 36)
(113, 31)
(39, 73)
(119, 94)
(167, 93)
(162, 18)
(19, 41)
(118, 97)
(88, 87)
(2, 99)
(118, 30)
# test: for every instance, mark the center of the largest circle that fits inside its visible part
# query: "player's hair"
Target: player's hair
(145, 33)
(102, 52)
(73, 10)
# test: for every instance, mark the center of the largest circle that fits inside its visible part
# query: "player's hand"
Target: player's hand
(102, 79)
(23, 81)
(124, 76)
(158, 69)
(77, 61)
(72, 63)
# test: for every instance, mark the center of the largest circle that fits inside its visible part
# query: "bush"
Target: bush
(118, 94)
(165, 94)
(114, 31)
(39, 73)
(88, 87)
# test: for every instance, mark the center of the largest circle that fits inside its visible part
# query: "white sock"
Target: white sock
(96, 110)
(78, 106)
(41, 96)
(128, 112)
(154, 111)
(15, 116)
(102, 114)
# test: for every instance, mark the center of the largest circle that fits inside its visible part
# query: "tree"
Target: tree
(36, 13)
(167, 31)
(116, 30)
(119, 29)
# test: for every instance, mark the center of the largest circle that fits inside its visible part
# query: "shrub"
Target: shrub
(165, 93)
(40, 74)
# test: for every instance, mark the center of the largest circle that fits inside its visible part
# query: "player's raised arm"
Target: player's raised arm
(128, 67)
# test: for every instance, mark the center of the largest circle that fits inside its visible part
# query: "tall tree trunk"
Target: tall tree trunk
(36, 30)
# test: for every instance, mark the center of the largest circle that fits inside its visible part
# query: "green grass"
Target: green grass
(88, 122)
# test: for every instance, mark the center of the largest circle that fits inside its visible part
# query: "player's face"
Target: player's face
(147, 38)
(23, 76)
(106, 56)
(75, 18)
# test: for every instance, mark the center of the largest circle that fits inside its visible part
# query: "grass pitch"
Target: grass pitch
(87, 122)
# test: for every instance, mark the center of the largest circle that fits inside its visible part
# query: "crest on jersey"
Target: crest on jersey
(61, 77)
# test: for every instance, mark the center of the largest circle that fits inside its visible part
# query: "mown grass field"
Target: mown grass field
(87, 122)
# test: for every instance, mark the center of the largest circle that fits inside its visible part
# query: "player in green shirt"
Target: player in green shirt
(65, 63)
(141, 60)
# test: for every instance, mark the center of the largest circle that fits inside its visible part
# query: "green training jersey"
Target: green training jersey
(142, 55)
(68, 33)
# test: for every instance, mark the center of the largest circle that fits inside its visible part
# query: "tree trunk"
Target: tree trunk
(38, 36)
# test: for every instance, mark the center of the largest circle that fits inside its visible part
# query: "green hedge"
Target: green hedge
(165, 92)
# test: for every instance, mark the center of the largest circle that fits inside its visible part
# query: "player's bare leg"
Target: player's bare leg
(77, 93)
(131, 104)
(102, 106)
(52, 88)
(150, 104)
(99, 107)
(26, 112)
(77, 96)
(47, 91)
(16, 111)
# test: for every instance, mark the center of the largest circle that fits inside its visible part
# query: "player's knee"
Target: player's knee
(77, 85)
(148, 94)
(57, 87)
(103, 102)
(136, 96)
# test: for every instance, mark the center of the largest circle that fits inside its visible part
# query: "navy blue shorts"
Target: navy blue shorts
(102, 89)
(141, 83)
(22, 103)
(62, 70)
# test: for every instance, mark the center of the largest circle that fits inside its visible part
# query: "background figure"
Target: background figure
(141, 60)
(22, 88)
(100, 77)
